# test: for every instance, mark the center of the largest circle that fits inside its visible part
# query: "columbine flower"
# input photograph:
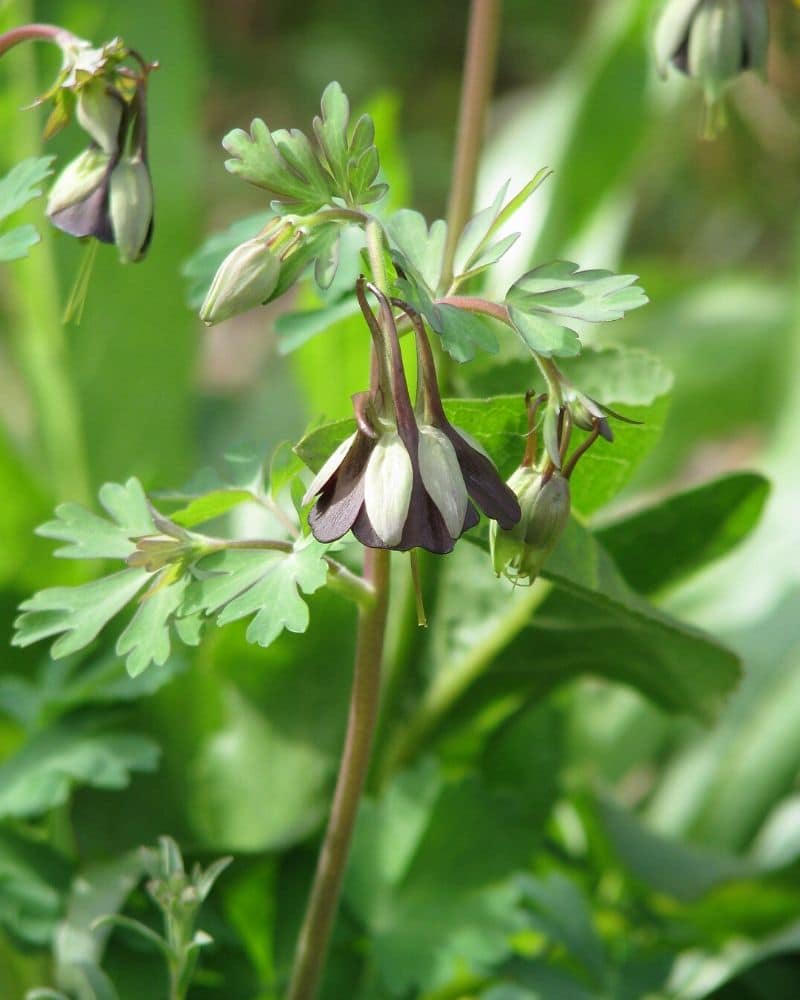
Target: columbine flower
(713, 40)
(400, 483)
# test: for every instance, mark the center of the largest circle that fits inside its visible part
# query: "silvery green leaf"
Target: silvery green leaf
(266, 584)
(544, 336)
(561, 289)
(42, 774)
(419, 248)
(90, 536)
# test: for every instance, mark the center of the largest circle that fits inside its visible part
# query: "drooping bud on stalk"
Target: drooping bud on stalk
(130, 206)
(404, 480)
(520, 554)
(245, 279)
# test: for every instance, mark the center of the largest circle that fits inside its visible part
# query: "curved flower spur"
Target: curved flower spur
(404, 479)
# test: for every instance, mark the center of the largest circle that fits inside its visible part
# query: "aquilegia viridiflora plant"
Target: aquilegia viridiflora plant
(409, 471)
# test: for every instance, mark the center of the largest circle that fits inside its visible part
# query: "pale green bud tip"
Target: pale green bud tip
(131, 207)
(442, 477)
(245, 279)
(388, 481)
(77, 180)
(99, 113)
(520, 553)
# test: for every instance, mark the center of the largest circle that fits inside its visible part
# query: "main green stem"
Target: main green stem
(40, 343)
(362, 720)
(312, 944)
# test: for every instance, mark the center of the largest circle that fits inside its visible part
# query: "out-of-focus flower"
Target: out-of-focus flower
(713, 41)
(130, 206)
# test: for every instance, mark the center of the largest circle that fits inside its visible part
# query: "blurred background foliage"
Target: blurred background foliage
(656, 849)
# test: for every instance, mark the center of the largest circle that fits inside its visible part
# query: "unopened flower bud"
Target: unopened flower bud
(245, 279)
(99, 113)
(131, 207)
(520, 553)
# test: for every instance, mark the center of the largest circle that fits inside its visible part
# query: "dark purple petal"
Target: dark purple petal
(494, 497)
(88, 217)
(342, 497)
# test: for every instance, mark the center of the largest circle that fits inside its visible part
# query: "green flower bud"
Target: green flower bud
(77, 180)
(388, 481)
(520, 553)
(99, 112)
(131, 207)
(245, 279)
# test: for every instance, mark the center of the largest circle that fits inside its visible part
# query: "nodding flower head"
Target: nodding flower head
(520, 554)
(404, 480)
(106, 192)
(713, 40)
(246, 278)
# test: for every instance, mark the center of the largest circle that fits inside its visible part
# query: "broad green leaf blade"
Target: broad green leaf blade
(33, 881)
(15, 244)
(331, 131)
(561, 913)
(89, 536)
(416, 247)
(76, 614)
(23, 183)
(278, 162)
(427, 876)
(146, 638)
(560, 288)
(543, 336)
(265, 584)
(627, 376)
(211, 505)
(226, 804)
(675, 664)
(670, 866)
(43, 773)
(591, 623)
(463, 332)
(661, 545)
